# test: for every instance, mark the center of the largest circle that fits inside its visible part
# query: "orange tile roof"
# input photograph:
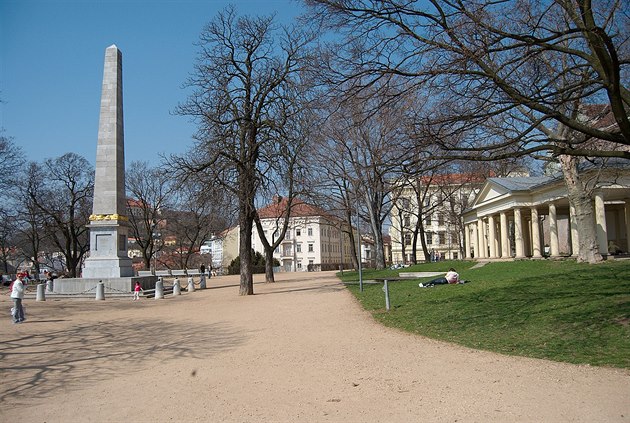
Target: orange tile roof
(298, 209)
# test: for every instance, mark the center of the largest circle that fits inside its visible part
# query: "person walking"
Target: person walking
(136, 291)
(17, 294)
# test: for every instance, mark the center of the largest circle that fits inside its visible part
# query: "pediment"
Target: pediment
(489, 192)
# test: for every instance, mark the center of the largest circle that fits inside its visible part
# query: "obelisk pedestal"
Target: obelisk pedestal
(108, 222)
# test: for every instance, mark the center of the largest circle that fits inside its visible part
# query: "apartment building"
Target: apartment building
(315, 240)
(439, 201)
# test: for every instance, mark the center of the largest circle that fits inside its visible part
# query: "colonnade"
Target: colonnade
(486, 239)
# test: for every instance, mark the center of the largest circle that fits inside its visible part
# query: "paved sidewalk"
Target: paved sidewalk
(299, 350)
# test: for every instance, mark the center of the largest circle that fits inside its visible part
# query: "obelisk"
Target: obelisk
(108, 222)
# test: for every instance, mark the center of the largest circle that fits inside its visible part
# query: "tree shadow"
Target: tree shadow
(37, 365)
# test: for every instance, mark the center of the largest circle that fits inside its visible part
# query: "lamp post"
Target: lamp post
(153, 237)
(359, 248)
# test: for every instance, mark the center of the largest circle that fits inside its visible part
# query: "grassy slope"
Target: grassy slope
(558, 310)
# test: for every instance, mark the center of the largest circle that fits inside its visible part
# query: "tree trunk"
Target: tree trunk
(582, 203)
(269, 277)
(245, 253)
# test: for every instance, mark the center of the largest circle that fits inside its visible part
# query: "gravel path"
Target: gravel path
(299, 350)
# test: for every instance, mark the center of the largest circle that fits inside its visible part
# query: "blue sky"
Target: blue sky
(51, 70)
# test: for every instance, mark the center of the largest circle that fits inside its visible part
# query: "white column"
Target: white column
(518, 233)
(600, 222)
(467, 240)
(553, 231)
(535, 234)
(475, 240)
(575, 237)
(492, 237)
(628, 225)
(481, 235)
(484, 238)
(505, 239)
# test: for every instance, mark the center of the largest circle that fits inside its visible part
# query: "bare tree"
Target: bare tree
(150, 189)
(244, 90)
(505, 79)
(62, 189)
(11, 160)
(288, 162)
(8, 236)
(197, 213)
(490, 62)
(369, 152)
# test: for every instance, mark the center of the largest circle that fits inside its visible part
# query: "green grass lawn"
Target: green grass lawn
(557, 310)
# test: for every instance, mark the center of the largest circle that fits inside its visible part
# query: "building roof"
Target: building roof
(298, 209)
(521, 183)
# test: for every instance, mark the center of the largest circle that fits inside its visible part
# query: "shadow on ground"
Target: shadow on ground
(39, 364)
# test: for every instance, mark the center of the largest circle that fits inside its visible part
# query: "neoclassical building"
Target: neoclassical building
(531, 216)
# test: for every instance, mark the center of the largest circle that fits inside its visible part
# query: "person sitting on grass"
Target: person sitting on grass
(451, 277)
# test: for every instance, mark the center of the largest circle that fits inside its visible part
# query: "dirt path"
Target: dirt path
(299, 350)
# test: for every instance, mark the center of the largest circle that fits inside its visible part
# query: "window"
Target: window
(440, 219)
(407, 221)
(429, 236)
(299, 265)
(442, 238)
(298, 248)
(310, 231)
(310, 248)
(298, 232)
(405, 204)
(407, 239)
(427, 219)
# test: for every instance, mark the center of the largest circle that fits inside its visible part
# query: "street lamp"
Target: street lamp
(153, 237)
(359, 247)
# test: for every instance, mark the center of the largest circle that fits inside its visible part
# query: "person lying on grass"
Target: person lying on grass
(451, 277)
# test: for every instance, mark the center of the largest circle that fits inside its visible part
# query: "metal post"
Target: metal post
(202, 281)
(386, 289)
(359, 248)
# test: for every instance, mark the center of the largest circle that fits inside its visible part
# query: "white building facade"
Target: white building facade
(314, 239)
(442, 198)
(532, 218)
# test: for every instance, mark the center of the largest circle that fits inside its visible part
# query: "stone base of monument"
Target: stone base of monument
(87, 286)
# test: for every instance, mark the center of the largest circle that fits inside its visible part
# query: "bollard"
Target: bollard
(41, 292)
(202, 281)
(386, 289)
(159, 289)
(100, 291)
(191, 285)
(177, 290)
(49, 285)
